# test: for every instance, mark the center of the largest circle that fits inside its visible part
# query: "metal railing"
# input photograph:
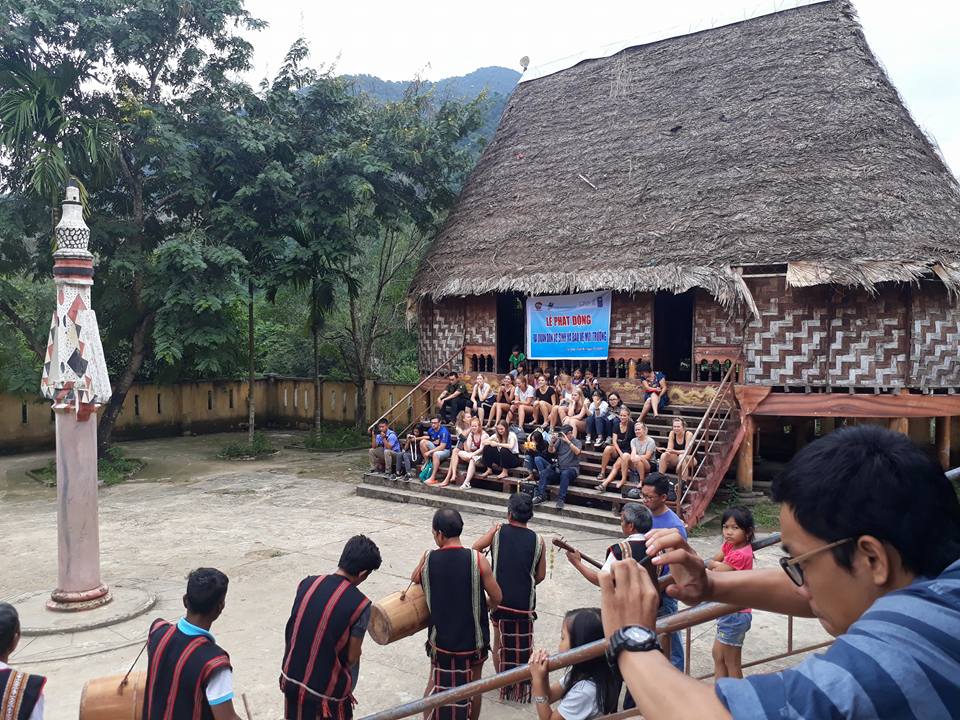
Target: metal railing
(682, 620)
(416, 387)
(705, 436)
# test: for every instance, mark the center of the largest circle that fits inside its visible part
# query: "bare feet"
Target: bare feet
(502, 475)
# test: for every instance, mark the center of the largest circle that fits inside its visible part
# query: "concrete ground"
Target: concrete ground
(266, 524)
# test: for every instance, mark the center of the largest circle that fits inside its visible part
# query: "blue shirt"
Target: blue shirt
(440, 436)
(220, 682)
(901, 659)
(392, 440)
(669, 519)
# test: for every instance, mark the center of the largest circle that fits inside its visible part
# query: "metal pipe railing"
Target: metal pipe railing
(415, 388)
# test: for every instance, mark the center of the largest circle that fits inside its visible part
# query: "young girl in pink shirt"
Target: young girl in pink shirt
(735, 554)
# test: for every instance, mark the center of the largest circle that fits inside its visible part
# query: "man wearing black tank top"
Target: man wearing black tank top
(635, 521)
(459, 587)
(519, 559)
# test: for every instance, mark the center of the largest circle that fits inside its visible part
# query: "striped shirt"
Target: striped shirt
(901, 659)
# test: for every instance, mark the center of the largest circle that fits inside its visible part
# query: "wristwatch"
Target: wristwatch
(633, 638)
(541, 699)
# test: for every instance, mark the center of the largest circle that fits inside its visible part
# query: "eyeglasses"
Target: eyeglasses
(791, 565)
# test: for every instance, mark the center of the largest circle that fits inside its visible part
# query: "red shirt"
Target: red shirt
(738, 558)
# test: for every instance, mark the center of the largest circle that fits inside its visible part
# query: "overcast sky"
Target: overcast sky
(918, 41)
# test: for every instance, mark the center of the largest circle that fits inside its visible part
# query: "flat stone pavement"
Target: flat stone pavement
(267, 524)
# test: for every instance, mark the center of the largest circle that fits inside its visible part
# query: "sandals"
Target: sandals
(465, 486)
(600, 487)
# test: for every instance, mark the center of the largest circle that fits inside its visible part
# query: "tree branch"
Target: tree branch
(21, 325)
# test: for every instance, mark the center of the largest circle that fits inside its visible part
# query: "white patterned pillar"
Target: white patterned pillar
(75, 379)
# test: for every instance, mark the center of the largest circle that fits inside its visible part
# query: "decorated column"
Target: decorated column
(75, 379)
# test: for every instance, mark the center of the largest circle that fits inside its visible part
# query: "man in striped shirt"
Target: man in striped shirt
(871, 528)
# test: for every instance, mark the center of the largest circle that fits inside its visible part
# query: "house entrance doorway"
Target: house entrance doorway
(511, 323)
(673, 335)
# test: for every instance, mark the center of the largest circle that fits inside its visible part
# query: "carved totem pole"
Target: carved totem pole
(75, 379)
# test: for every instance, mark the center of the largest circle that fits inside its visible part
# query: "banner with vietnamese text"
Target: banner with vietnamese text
(563, 327)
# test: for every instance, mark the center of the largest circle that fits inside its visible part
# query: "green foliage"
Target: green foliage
(242, 450)
(114, 468)
(335, 436)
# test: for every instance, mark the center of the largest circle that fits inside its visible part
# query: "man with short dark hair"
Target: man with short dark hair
(324, 636)
(459, 586)
(454, 399)
(871, 528)
(21, 695)
(519, 560)
(436, 446)
(188, 674)
(567, 452)
(384, 447)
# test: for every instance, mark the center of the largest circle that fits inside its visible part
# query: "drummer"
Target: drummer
(519, 560)
(188, 674)
(17, 690)
(320, 668)
(459, 632)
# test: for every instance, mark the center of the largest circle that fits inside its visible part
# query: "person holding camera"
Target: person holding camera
(567, 452)
(385, 446)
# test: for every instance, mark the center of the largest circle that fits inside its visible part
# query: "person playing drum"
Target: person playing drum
(320, 668)
(519, 561)
(188, 674)
(21, 695)
(459, 631)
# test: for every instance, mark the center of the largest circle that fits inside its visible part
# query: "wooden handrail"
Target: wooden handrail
(415, 388)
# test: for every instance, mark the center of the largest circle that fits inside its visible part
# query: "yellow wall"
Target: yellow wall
(209, 406)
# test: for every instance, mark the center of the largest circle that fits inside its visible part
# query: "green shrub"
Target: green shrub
(112, 469)
(238, 450)
(333, 436)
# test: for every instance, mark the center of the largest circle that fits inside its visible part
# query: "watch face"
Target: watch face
(637, 635)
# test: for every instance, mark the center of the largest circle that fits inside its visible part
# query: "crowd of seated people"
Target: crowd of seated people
(534, 419)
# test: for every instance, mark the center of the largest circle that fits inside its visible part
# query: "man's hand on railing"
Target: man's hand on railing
(627, 597)
(691, 584)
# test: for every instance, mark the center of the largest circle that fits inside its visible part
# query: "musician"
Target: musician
(635, 521)
(459, 630)
(519, 560)
(320, 664)
(188, 674)
(21, 695)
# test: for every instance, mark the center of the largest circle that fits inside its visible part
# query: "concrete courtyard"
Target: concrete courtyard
(266, 524)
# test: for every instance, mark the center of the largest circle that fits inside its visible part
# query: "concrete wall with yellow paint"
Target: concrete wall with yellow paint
(26, 421)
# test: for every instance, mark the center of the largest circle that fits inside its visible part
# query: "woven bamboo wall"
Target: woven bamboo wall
(441, 333)
(631, 320)
(935, 337)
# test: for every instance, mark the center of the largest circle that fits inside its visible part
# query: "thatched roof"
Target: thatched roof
(776, 140)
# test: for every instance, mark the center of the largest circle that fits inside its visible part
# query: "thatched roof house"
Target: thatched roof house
(778, 140)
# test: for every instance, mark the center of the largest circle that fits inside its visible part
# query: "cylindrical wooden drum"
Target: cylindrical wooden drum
(393, 618)
(104, 699)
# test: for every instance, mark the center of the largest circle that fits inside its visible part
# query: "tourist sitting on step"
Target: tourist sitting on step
(435, 447)
(518, 557)
(591, 384)
(411, 457)
(454, 398)
(596, 420)
(461, 426)
(21, 695)
(565, 447)
(501, 453)
(535, 453)
(676, 456)
(467, 450)
(385, 448)
(459, 587)
(614, 406)
(620, 436)
(502, 402)
(188, 674)
(482, 397)
(871, 535)
(655, 398)
(522, 407)
(588, 689)
(324, 636)
(544, 403)
(574, 413)
(643, 455)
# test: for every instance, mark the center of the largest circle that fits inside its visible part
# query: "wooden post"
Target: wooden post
(745, 455)
(632, 369)
(827, 425)
(943, 441)
(901, 425)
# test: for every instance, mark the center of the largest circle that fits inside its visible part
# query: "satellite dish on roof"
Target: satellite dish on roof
(525, 62)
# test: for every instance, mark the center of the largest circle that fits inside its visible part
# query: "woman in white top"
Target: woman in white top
(481, 397)
(501, 451)
(502, 403)
(596, 420)
(468, 450)
(522, 401)
(575, 412)
(589, 689)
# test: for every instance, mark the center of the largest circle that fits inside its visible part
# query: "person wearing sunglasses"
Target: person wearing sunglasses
(871, 534)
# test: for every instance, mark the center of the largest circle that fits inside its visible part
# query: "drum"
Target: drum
(104, 699)
(392, 618)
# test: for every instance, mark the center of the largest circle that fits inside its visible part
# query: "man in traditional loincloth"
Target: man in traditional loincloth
(21, 695)
(519, 561)
(459, 586)
(321, 662)
(188, 674)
